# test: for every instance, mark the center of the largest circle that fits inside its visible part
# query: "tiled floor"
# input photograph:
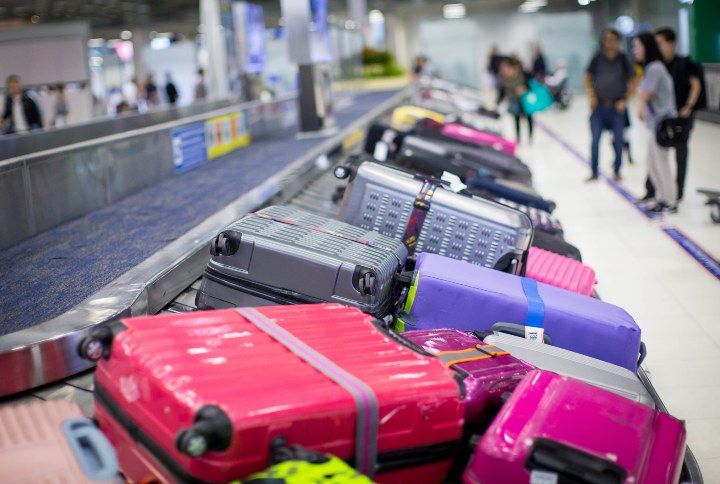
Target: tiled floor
(675, 300)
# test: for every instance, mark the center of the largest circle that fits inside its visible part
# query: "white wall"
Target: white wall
(458, 48)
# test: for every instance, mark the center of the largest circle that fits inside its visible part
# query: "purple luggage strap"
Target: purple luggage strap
(421, 206)
(366, 431)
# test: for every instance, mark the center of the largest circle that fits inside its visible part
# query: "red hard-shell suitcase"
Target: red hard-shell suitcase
(203, 395)
(560, 271)
(563, 430)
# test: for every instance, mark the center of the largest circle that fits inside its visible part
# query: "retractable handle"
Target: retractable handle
(578, 466)
(92, 450)
(212, 431)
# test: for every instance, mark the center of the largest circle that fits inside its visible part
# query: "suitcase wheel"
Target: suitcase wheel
(341, 172)
(97, 343)
(366, 284)
(212, 430)
(225, 243)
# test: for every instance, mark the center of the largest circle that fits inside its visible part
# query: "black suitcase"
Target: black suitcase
(556, 244)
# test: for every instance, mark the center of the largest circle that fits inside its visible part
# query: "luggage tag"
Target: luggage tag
(534, 330)
(381, 151)
(455, 182)
(543, 477)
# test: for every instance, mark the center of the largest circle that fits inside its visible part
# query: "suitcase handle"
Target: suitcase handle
(578, 466)
(516, 330)
(643, 353)
(93, 453)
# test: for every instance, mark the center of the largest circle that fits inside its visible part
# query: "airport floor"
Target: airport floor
(674, 299)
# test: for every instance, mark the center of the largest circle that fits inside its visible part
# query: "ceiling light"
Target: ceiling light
(584, 2)
(159, 43)
(126, 35)
(376, 17)
(454, 10)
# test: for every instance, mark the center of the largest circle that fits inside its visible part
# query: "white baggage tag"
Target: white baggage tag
(534, 334)
(381, 151)
(543, 477)
(455, 183)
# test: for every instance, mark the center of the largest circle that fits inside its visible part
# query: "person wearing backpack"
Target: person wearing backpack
(609, 84)
(688, 80)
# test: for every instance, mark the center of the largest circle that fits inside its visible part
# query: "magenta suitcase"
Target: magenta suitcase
(560, 271)
(481, 138)
(557, 429)
(487, 372)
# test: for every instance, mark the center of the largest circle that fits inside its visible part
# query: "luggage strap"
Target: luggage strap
(315, 228)
(535, 317)
(366, 432)
(421, 206)
(479, 352)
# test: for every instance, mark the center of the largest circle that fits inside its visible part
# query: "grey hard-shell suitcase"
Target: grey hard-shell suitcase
(430, 218)
(591, 370)
(288, 256)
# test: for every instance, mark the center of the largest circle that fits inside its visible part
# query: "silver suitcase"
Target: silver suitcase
(596, 372)
(455, 225)
(285, 255)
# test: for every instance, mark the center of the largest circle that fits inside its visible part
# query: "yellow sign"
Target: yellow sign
(227, 133)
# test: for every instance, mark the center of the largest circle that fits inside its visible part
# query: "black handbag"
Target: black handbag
(671, 132)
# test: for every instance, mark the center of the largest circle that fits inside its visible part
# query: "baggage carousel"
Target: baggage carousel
(40, 361)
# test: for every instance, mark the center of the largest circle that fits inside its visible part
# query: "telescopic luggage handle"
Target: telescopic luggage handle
(92, 450)
(573, 464)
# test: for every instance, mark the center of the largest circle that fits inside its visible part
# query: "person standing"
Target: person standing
(170, 90)
(61, 107)
(151, 91)
(608, 82)
(539, 70)
(687, 78)
(656, 101)
(514, 83)
(21, 111)
(200, 88)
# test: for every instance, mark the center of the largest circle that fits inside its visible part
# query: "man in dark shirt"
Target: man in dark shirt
(687, 79)
(539, 70)
(21, 111)
(608, 82)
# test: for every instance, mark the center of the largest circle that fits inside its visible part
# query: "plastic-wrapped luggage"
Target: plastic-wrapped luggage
(557, 429)
(288, 256)
(560, 271)
(487, 372)
(205, 395)
(430, 218)
(52, 441)
(590, 370)
(450, 293)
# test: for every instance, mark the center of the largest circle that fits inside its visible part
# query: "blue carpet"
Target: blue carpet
(48, 274)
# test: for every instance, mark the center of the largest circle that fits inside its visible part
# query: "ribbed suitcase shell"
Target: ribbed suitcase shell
(590, 370)
(34, 448)
(163, 369)
(312, 265)
(450, 293)
(485, 380)
(481, 138)
(560, 271)
(648, 444)
(457, 226)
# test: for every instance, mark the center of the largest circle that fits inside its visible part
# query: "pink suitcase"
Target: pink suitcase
(563, 430)
(204, 395)
(52, 442)
(487, 372)
(560, 271)
(481, 138)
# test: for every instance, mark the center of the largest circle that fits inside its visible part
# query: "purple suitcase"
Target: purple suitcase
(451, 293)
(487, 372)
(557, 429)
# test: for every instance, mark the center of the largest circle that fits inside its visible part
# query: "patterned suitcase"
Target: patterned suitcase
(52, 442)
(559, 271)
(208, 395)
(430, 218)
(590, 370)
(450, 293)
(288, 256)
(487, 372)
(557, 429)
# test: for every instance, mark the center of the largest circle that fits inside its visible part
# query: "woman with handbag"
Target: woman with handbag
(656, 102)
(514, 83)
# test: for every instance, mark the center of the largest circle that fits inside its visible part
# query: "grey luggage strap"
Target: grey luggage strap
(366, 432)
(315, 228)
(415, 222)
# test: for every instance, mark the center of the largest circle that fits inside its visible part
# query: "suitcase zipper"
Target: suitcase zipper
(274, 294)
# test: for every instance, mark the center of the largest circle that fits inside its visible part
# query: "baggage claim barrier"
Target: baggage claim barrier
(47, 352)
